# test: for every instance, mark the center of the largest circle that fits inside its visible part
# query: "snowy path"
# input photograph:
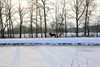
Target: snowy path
(50, 56)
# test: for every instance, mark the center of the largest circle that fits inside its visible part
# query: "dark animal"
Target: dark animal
(51, 34)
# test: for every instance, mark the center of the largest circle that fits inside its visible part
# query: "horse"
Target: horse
(51, 34)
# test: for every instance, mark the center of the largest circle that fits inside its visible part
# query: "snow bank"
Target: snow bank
(52, 40)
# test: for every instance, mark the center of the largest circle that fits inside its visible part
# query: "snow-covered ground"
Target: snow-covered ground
(50, 56)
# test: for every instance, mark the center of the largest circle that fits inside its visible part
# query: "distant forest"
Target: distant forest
(26, 30)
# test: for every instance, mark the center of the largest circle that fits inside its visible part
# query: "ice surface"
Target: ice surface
(50, 56)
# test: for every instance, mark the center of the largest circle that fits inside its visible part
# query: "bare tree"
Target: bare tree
(79, 9)
(31, 9)
(36, 18)
(2, 24)
(56, 16)
(21, 12)
(90, 7)
(97, 25)
(1, 19)
(41, 23)
(65, 11)
(44, 9)
(60, 12)
(9, 12)
(65, 25)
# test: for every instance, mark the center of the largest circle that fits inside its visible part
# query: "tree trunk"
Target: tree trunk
(45, 20)
(56, 28)
(88, 28)
(86, 18)
(77, 13)
(20, 28)
(1, 21)
(97, 30)
(31, 26)
(36, 20)
(65, 25)
(40, 23)
(85, 28)
(77, 27)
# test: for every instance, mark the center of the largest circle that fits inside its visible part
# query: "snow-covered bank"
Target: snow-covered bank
(51, 40)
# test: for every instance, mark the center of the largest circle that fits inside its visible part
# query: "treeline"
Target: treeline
(26, 30)
(44, 16)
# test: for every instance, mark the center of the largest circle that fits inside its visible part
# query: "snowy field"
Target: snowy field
(49, 56)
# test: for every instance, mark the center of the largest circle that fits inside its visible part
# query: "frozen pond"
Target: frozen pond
(50, 56)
